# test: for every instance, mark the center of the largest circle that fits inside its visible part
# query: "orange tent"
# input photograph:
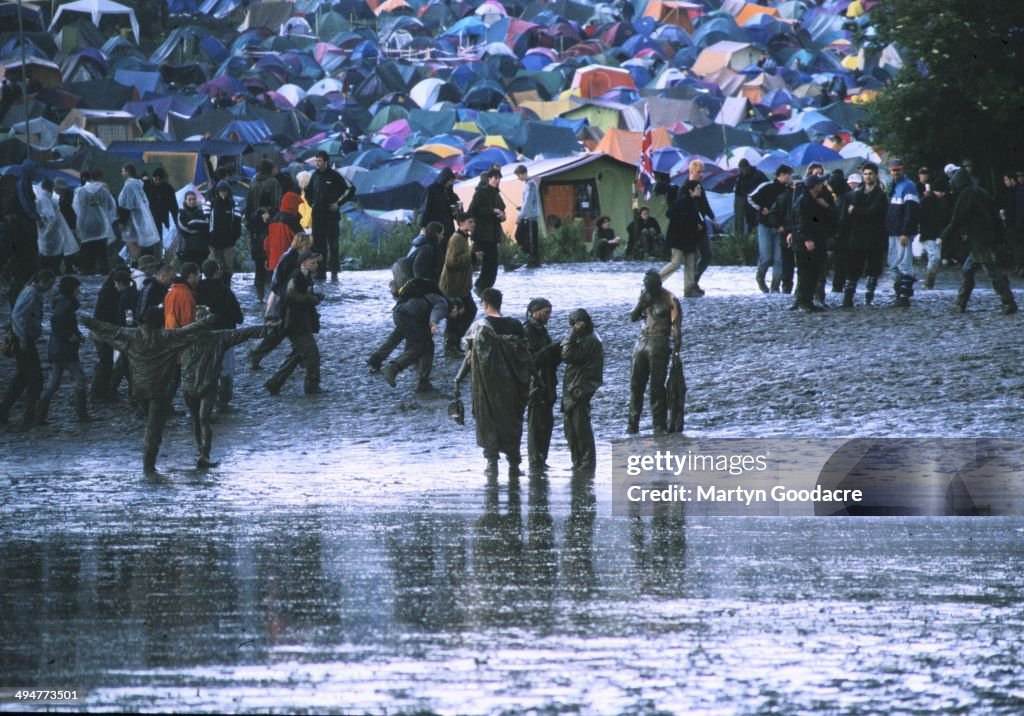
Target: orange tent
(625, 145)
(595, 80)
(674, 12)
(750, 9)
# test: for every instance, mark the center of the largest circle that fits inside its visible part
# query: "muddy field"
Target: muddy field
(349, 554)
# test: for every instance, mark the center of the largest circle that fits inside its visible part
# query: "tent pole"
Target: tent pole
(24, 79)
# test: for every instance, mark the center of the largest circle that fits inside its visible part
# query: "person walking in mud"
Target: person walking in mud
(201, 366)
(498, 361)
(864, 218)
(540, 411)
(416, 320)
(286, 266)
(457, 282)
(65, 339)
(27, 325)
(301, 323)
(974, 216)
(659, 309)
(583, 355)
(153, 361)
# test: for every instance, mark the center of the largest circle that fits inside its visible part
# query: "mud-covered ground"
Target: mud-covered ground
(349, 555)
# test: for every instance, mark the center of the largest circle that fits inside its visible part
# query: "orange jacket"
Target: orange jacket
(179, 305)
(281, 229)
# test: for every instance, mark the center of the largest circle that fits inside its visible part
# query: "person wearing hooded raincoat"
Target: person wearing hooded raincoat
(21, 221)
(55, 239)
(975, 217)
(153, 361)
(138, 230)
(441, 205)
(583, 355)
(96, 212)
(498, 360)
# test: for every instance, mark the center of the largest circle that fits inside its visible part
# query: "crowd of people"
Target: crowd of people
(148, 327)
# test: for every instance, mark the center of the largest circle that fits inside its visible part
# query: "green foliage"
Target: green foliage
(961, 90)
(565, 244)
(735, 250)
(392, 245)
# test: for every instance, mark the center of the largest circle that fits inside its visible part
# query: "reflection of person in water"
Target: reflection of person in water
(660, 557)
(578, 543)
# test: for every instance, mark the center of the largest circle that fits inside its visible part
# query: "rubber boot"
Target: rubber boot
(849, 291)
(43, 410)
(1002, 286)
(82, 407)
(760, 282)
(225, 391)
(775, 285)
(869, 292)
(929, 280)
(963, 296)
(149, 462)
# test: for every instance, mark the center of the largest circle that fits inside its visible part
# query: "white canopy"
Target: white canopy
(95, 9)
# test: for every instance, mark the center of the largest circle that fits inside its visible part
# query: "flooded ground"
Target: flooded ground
(350, 556)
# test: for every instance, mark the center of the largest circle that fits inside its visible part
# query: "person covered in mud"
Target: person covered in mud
(153, 361)
(201, 367)
(583, 354)
(546, 354)
(301, 323)
(659, 309)
(215, 293)
(974, 216)
(416, 322)
(498, 360)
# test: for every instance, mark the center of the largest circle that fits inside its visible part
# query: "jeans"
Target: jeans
(769, 252)
(704, 256)
(934, 251)
(57, 373)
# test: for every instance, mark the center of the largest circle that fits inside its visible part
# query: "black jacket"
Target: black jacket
(193, 230)
(108, 305)
(300, 305)
(225, 222)
(583, 356)
(64, 334)
(440, 203)
(488, 226)
(325, 188)
(817, 223)
(546, 357)
(162, 203)
(934, 216)
(866, 225)
(152, 294)
(764, 196)
(684, 224)
(220, 299)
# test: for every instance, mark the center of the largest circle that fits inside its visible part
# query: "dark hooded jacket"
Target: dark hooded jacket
(264, 193)
(488, 226)
(64, 334)
(866, 224)
(224, 217)
(546, 356)
(222, 302)
(974, 215)
(583, 355)
(440, 203)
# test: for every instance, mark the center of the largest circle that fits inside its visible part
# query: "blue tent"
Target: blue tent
(811, 152)
(251, 132)
(536, 138)
(482, 161)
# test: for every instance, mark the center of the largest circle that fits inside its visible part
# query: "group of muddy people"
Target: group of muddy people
(850, 227)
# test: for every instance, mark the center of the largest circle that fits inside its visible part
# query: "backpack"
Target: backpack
(401, 272)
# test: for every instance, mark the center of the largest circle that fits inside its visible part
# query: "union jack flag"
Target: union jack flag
(645, 170)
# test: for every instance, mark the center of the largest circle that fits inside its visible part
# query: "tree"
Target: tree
(960, 92)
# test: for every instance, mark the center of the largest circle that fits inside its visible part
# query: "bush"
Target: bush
(735, 250)
(391, 246)
(565, 244)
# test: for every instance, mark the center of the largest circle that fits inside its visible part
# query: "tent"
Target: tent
(96, 11)
(625, 146)
(722, 54)
(584, 187)
(595, 80)
(674, 12)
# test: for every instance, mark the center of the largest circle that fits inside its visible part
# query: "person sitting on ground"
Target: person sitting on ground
(605, 240)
